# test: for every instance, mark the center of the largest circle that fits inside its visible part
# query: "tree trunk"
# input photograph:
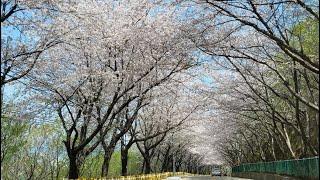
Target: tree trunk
(124, 162)
(165, 162)
(288, 143)
(272, 149)
(147, 166)
(304, 137)
(178, 167)
(73, 167)
(142, 167)
(106, 162)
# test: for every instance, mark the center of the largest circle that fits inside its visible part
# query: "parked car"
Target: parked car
(216, 172)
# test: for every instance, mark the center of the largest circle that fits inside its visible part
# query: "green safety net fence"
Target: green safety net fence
(308, 167)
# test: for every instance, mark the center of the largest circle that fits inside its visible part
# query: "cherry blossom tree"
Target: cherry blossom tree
(110, 59)
(25, 35)
(274, 69)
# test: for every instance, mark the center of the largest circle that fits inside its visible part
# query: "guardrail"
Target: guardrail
(307, 167)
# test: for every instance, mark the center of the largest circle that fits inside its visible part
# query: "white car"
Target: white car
(216, 172)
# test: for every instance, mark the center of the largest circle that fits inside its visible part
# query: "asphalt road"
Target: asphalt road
(211, 178)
